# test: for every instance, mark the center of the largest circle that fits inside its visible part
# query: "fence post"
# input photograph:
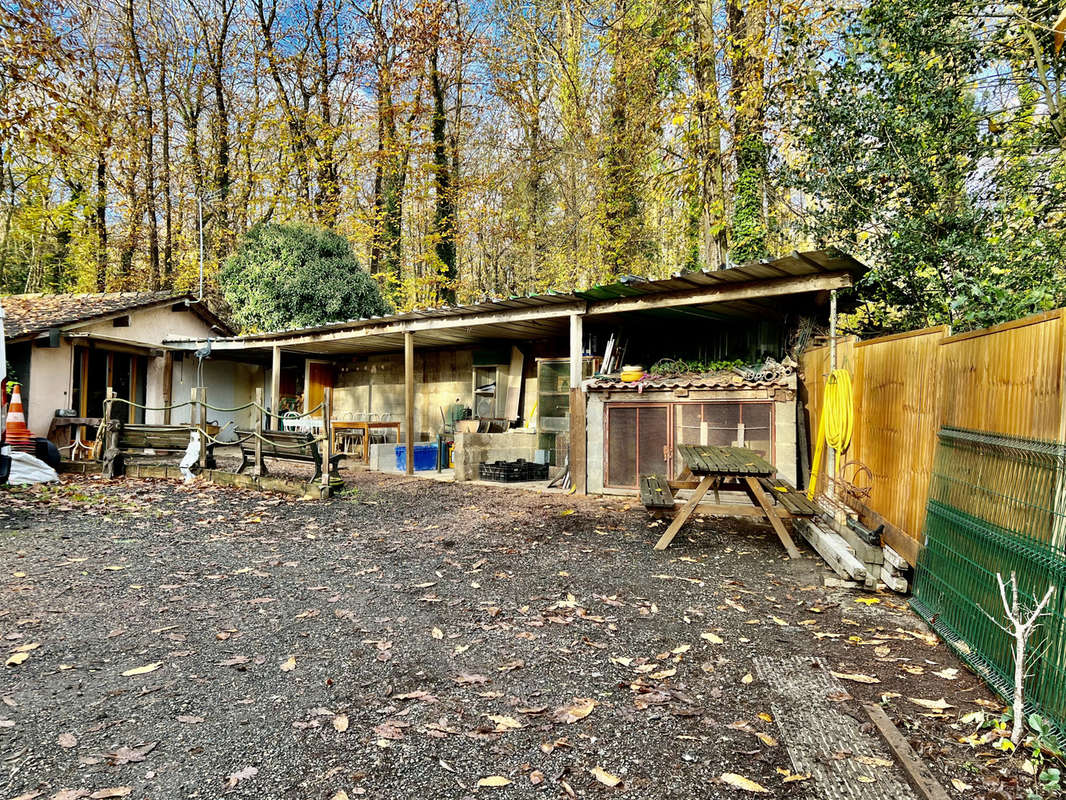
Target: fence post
(258, 469)
(108, 402)
(196, 419)
(327, 430)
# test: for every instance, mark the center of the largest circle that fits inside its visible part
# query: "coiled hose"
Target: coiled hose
(835, 425)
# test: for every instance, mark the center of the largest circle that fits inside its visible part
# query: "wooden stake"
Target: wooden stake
(327, 434)
(257, 470)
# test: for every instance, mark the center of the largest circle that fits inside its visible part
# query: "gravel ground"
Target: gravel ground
(411, 638)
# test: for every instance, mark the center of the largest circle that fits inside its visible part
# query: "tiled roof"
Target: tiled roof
(28, 314)
(709, 380)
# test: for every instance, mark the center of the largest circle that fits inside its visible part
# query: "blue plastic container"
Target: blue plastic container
(425, 457)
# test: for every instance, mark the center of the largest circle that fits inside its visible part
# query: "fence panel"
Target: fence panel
(1007, 379)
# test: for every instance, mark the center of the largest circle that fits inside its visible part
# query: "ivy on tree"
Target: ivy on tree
(290, 275)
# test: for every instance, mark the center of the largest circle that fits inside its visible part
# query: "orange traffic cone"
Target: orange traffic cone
(18, 435)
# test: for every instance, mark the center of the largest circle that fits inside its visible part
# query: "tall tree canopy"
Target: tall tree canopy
(469, 150)
(291, 276)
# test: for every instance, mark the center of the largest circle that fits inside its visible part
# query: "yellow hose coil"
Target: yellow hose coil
(835, 424)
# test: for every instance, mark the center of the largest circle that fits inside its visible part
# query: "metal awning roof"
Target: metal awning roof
(750, 290)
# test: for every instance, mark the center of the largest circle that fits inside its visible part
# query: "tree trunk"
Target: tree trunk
(444, 211)
(148, 147)
(100, 218)
(712, 223)
(168, 200)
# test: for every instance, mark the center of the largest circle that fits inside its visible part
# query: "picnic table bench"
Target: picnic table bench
(725, 467)
(300, 446)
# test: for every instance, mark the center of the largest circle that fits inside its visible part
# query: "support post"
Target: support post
(830, 453)
(577, 458)
(105, 421)
(257, 470)
(409, 397)
(275, 388)
(168, 384)
(200, 398)
(327, 434)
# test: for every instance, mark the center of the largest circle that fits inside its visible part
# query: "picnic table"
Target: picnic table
(715, 467)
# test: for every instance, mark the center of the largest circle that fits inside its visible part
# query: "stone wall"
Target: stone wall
(472, 449)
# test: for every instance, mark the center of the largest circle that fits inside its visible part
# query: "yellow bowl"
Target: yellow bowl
(630, 374)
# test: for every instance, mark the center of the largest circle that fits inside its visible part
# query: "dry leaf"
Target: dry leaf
(932, 705)
(747, 678)
(766, 739)
(67, 740)
(604, 777)
(740, 782)
(960, 786)
(857, 677)
(340, 723)
(188, 719)
(289, 664)
(713, 638)
(241, 775)
(437, 633)
(536, 777)
(581, 708)
(142, 670)
(504, 723)
(874, 761)
(15, 659)
(341, 795)
(494, 780)
(115, 791)
(948, 674)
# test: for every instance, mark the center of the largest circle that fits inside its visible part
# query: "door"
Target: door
(638, 443)
(319, 376)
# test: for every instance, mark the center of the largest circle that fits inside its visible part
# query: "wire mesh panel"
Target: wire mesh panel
(996, 505)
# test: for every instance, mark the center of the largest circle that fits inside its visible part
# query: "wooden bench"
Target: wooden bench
(656, 493)
(795, 502)
(298, 446)
(127, 438)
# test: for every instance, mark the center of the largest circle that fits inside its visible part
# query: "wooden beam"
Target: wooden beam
(917, 772)
(275, 388)
(775, 521)
(409, 397)
(892, 535)
(684, 514)
(747, 290)
(168, 383)
(578, 441)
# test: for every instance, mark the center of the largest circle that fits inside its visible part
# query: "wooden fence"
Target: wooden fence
(1005, 379)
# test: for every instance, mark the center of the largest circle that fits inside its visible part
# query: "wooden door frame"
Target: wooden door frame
(607, 433)
(307, 377)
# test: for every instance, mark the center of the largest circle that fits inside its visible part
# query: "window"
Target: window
(95, 370)
(642, 438)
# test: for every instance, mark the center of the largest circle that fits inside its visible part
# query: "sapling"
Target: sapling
(1021, 622)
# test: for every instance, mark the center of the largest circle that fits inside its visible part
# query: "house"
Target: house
(530, 370)
(67, 349)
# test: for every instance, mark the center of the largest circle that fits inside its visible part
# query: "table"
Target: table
(713, 466)
(365, 427)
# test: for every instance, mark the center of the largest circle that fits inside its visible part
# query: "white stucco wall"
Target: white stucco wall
(51, 368)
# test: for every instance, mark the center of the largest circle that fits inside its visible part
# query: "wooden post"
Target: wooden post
(275, 388)
(578, 456)
(830, 453)
(168, 383)
(199, 398)
(327, 433)
(257, 470)
(110, 396)
(409, 397)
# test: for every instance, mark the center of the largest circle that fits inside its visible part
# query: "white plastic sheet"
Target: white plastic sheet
(25, 469)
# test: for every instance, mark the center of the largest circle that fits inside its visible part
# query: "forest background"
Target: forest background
(470, 149)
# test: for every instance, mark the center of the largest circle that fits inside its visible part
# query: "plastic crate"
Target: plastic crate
(425, 457)
(512, 471)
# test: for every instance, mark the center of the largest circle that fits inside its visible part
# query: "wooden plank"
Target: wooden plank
(917, 773)
(578, 442)
(904, 544)
(275, 387)
(684, 514)
(771, 516)
(833, 550)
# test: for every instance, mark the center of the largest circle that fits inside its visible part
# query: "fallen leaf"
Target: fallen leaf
(504, 723)
(289, 664)
(857, 677)
(241, 775)
(437, 633)
(341, 795)
(747, 679)
(142, 670)
(766, 739)
(536, 777)
(581, 708)
(190, 720)
(494, 780)
(932, 705)
(131, 755)
(67, 740)
(604, 777)
(340, 723)
(740, 782)
(874, 761)
(466, 677)
(15, 659)
(960, 786)
(869, 601)
(713, 638)
(948, 674)
(115, 791)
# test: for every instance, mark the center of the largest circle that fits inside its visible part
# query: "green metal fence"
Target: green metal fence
(997, 504)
